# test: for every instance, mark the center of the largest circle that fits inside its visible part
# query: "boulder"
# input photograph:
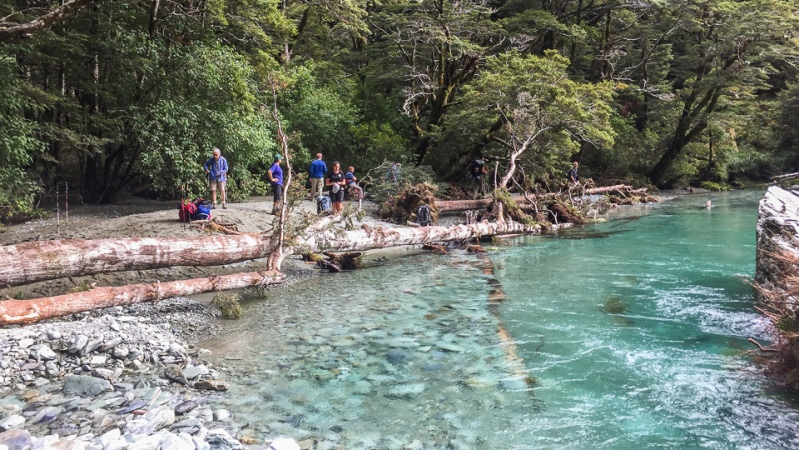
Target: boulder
(85, 385)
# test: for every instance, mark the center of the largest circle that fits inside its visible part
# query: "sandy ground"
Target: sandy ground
(147, 218)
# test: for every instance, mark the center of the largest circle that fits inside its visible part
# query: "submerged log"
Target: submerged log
(20, 312)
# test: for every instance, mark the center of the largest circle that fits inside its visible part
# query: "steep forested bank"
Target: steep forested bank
(120, 96)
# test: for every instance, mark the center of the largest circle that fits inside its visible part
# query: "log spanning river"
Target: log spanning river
(629, 334)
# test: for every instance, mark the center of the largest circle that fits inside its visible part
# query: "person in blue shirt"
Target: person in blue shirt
(351, 179)
(276, 180)
(317, 176)
(572, 175)
(216, 170)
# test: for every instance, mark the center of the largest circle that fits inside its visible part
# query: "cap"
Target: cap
(278, 156)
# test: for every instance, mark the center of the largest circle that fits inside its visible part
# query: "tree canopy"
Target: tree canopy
(117, 96)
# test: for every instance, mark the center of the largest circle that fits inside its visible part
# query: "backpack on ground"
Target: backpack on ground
(423, 216)
(323, 204)
(186, 212)
(203, 212)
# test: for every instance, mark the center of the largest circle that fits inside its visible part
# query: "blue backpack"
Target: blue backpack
(322, 204)
(203, 212)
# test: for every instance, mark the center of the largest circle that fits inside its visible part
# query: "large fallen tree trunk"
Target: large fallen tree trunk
(46, 260)
(464, 205)
(20, 312)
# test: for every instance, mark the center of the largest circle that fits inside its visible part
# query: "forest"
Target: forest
(128, 97)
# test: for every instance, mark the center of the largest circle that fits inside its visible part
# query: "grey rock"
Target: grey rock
(172, 442)
(105, 374)
(221, 440)
(138, 426)
(53, 334)
(16, 439)
(173, 372)
(212, 385)
(200, 443)
(7, 409)
(108, 345)
(12, 422)
(188, 423)
(133, 406)
(25, 343)
(47, 415)
(42, 352)
(98, 360)
(110, 436)
(283, 443)
(85, 385)
(192, 372)
(176, 349)
(152, 394)
(120, 352)
(148, 443)
(185, 407)
(77, 344)
(160, 417)
(203, 353)
(92, 346)
(222, 415)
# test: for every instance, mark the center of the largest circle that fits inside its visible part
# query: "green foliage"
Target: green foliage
(389, 178)
(228, 305)
(18, 146)
(712, 186)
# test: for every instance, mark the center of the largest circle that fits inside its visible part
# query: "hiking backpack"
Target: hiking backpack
(203, 212)
(423, 216)
(186, 212)
(322, 204)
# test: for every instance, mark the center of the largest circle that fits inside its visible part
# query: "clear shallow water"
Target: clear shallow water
(627, 334)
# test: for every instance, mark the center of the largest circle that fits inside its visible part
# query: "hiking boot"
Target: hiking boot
(224, 205)
(213, 206)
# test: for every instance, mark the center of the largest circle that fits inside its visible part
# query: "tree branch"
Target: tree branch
(42, 22)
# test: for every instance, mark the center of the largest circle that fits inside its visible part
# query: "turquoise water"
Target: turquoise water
(627, 334)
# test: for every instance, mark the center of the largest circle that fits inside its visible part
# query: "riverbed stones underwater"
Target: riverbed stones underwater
(120, 378)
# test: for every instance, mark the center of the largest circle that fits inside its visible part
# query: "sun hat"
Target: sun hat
(336, 187)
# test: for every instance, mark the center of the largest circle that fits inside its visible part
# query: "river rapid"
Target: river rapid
(626, 334)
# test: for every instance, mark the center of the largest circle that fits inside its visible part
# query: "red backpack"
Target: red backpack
(186, 211)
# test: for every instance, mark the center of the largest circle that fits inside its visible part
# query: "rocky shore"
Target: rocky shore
(120, 378)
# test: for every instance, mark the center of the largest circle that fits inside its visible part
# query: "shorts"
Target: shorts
(338, 197)
(221, 184)
(277, 192)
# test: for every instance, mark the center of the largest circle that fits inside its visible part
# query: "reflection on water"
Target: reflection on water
(636, 340)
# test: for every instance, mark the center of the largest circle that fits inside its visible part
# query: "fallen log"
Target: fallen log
(46, 260)
(465, 205)
(20, 312)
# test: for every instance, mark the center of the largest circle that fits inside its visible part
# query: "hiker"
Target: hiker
(572, 175)
(317, 176)
(276, 180)
(477, 171)
(216, 169)
(350, 178)
(336, 181)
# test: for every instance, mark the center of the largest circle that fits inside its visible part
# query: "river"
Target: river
(626, 334)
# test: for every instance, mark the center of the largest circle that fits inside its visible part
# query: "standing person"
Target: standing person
(351, 179)
(317, 176)
(336, 181)
(572, 175)
(216, 169)
(477, 171)
(276, 180)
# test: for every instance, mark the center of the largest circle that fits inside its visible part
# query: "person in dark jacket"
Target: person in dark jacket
(276, 180)
(573, 176)
(336, 182)
(317, 176)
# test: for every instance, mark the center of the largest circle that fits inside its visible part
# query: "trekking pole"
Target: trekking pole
(57, 214)
(66, 203)
(183, 190)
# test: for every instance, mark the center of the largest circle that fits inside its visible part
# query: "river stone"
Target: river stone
(85, 385)
(283, 443)
(406, 390)
(222, 415)
(133, 406)
(108, 345)
(200, 443)
(148, 443)
(221, 440)
(109, 436)
(77, 344)
(25, 342)
(7, 409)
(192, 372)
(42, 352)
(47, 415)
(53, 335)
(211, 385)
(12, 422)
(120, 352)
(160, 417)
(16, 439)
(185, 407)
(105, 374)
(203, 353)
(91, 346)
(172, 442)
(173, 372)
